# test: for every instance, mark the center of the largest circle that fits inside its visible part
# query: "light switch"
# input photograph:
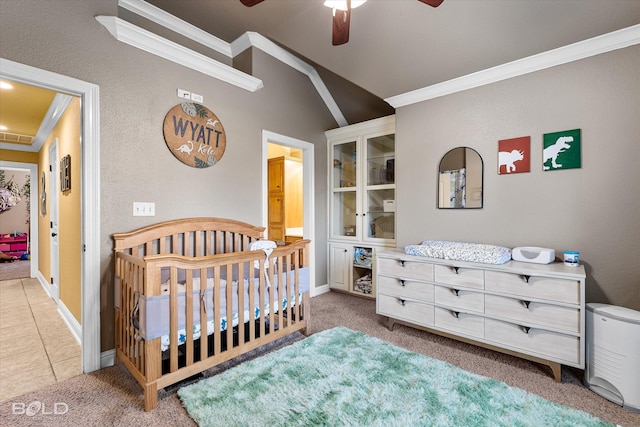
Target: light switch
(144, 209)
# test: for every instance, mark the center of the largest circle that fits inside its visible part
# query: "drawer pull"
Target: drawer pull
(526, 303)
(402, 282)
(455, 269)
(401, 302)
(456, 314)
(525, 329)
(526, 278)
(456, 292)
(401, 261)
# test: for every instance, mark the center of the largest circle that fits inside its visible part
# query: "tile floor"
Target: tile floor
(36, 347)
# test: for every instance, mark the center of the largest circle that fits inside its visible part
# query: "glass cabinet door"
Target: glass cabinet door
(380, 194)
(344, 213)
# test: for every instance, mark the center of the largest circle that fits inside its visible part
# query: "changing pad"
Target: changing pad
(473, 252)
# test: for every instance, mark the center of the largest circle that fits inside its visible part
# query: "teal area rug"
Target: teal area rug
(340, 377)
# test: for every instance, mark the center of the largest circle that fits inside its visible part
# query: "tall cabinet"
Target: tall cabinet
(362, 207)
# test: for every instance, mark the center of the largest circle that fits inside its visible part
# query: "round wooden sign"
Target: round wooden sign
(194, 135)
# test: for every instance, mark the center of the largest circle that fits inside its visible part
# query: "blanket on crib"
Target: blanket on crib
(473, 252)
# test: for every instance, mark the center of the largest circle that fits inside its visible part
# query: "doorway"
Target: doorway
(308, 188)
(90, 204)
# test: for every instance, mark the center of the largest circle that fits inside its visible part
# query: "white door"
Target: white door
(54, 192)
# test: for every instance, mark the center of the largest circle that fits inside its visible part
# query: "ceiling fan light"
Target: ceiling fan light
(342, 4)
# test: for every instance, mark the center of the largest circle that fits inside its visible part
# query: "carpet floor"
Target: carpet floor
(18, 269)
(112, 397)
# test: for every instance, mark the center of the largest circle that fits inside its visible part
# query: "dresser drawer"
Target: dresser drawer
(459, 323)
(459, 276)
(546, 344)
(405, 288)
(547, 288)
(405, 269)
(464, 300)
(409, 310)
(531, 312)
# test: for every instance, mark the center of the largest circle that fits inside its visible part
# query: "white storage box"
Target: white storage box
(389, 205)
(613, 354)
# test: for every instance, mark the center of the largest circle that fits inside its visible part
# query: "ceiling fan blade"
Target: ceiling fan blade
(250, 3)
(432, 3)
(341, 21)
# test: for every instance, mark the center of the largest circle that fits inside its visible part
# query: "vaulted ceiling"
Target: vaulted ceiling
(397, 46)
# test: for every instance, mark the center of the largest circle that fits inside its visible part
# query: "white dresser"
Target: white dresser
(533, 311)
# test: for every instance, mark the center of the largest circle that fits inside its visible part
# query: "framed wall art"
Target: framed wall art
(561, 150)
(65, 173)
(514, 155)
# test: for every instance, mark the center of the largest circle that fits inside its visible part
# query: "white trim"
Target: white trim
(145, 40)
(108, 358)
(258, 41)
(242, 43)
(90, 145)
(56, 110)
(308, 174)
(601, 44)
(176, 24)
(73, 325)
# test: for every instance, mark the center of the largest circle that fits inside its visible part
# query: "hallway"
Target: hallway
(36, 346)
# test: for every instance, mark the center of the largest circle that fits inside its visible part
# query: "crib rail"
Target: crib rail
(211, 278)
(189, 237)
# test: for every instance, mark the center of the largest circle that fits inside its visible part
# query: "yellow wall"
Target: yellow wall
(67, 132)
(18, 156)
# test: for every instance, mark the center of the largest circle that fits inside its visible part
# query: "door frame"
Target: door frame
(89, 94)
(308, 184)
(54, 222)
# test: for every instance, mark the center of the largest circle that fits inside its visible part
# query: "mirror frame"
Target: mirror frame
(452, 151)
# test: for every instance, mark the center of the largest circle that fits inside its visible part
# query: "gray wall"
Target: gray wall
(594, 210)
(136, 91)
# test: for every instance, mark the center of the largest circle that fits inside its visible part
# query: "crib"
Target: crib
(190, 294)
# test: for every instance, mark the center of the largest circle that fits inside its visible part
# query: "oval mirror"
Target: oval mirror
(460, 179)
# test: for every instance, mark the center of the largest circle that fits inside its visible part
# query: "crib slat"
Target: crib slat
(216, 311)
(229, 305)
(173, 319)
(189, 315)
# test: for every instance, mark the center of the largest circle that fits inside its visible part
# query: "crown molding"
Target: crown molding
(145, 40)
(258, 41)
(159, 16)
(601, 44)
(242, 43)
(54, 113)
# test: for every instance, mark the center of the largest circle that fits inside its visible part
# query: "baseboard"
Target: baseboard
(319, 290)
(73, 325)
(108, 358)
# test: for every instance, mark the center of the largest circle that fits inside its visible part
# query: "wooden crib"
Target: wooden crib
(249, 298)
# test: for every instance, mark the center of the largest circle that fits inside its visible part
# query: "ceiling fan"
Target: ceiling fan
(342, 15)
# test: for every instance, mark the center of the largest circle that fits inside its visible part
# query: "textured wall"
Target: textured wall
(136, 91)
(594, 210)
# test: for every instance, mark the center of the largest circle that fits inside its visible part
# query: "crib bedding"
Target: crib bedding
(154, 311)
(461, 251)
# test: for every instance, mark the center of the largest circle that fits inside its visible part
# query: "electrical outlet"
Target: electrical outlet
(197, 98)
(144, 209)
(184, 94)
